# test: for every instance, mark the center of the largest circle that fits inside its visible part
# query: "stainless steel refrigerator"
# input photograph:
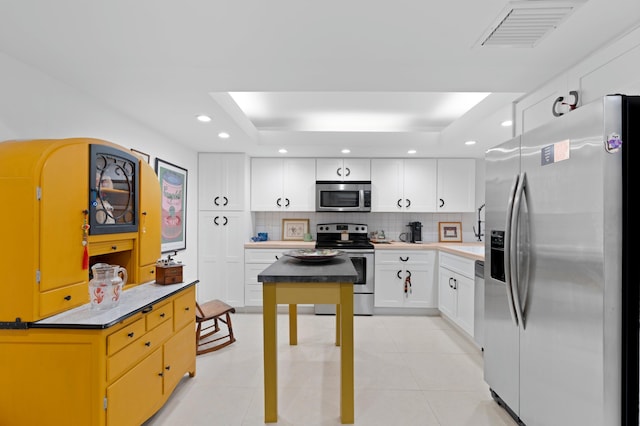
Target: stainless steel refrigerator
(561, 297)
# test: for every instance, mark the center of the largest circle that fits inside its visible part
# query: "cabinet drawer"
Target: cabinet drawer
(106, 247)
(158, 315)
(413, 257)
(61, 299)
(150, 341)
(184, 309)
(147, 273)
(125, 336)
(458, 264)
(262, 255)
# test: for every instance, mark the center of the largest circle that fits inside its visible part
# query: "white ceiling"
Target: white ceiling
(163, 62)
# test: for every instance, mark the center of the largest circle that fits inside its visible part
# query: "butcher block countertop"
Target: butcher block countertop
(473, 250)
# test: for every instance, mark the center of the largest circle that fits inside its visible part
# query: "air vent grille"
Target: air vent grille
(525, 23)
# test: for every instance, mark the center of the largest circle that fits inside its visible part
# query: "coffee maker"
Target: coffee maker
(416, 232)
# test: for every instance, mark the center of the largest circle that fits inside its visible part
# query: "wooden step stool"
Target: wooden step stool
(213, 310)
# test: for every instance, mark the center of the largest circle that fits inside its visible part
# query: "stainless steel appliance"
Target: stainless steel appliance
(353, 239)
(561, 298)
(352, 196)
(478, 305)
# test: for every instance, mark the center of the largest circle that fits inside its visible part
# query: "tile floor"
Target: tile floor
(409, 370)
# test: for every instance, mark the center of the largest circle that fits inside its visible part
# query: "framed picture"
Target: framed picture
(294, 229)
(173, 187)
(144, 155)
(450, 232)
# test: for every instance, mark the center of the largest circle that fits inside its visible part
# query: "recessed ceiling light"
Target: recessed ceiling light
(203, 118)
(411, 151)
(345, 151)
(470, 143)
(223, 135)
(282, 151)
(506, 123)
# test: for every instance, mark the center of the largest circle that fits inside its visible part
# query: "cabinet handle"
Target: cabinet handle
(168, 367)
(130, 334)
(225, 221)
(398, 275)
(162, 315)
(226, 201)
(455, 284)
(215, 201)
(405, 259)
(278, 202)
(152, 271)
(408, 273)
(338, 171)
(147, 344)
(399, 200)
(215, 220)
(287, 205)
(408, 202)
(450, 286)
(187, 308)
(161, 374)
(114, 247)
(277, 258)
(144, 213)
(441, 203)
(67, 298)
(348, 171)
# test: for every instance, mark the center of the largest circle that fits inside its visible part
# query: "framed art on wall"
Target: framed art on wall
(294, 229)
(173, 192)
(450, 232)
(144, 155)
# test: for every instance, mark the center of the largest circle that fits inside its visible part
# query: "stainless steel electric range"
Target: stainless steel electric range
(353, 239)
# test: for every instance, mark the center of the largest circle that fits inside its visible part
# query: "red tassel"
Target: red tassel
(85, 259)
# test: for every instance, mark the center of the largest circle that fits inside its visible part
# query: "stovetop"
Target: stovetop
(343, 236)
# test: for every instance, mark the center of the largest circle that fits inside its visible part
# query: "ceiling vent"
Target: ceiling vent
(525, 23)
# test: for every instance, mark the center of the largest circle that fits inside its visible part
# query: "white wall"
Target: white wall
(36, 106)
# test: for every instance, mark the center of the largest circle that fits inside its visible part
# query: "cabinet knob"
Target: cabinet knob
(130, 334)
(67, 298)
(187, 309)
(144, 213)
(147, 344)
(114, 247)
(162, 315)
(168, 367)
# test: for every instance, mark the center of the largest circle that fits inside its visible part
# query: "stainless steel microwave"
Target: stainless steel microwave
(334, 196)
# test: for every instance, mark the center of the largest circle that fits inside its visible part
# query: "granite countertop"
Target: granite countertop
(289, 269)
(132, 301)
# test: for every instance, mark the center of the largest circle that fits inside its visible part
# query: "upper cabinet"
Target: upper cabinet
(399, 185)
(339, 169)
(221, 181)
(283, 184)
(456, 185)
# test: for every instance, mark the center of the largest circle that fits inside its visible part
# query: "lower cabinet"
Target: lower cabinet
(405, 279)
(456, 290)
(117, 376)
(256, 261)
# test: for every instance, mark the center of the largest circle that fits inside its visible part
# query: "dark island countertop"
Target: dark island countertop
(290, 269)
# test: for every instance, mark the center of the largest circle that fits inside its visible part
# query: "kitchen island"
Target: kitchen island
(292, 281)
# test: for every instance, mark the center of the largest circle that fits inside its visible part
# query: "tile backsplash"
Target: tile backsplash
(393, 224)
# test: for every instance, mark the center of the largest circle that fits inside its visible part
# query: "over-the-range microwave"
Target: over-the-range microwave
(332, 196)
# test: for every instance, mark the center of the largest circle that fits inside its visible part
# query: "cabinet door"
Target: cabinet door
(134, 397)
(420, 184)
(456, 185)
(357, 169)
(389, 285)
(387, 183)
(221, 180)
(150, 235)
(266, 184)
(329, 169)
(299, 185)
(465, 303)
(221, 257)
(447, 293)
(339, 169)
(179, 357)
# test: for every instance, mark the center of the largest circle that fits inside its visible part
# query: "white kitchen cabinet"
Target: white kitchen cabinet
(221, 181)
(456, 185)
(399, 185)
(394, 267)
(221, 237)
(456, 290)
(343, 169)
(256, 261)
(279, 184)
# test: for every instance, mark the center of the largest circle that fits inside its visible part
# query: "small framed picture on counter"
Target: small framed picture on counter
(294, 229)
(450, 232)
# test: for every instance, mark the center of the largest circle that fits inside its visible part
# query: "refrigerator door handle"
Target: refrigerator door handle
(513, 247)
(507, 250)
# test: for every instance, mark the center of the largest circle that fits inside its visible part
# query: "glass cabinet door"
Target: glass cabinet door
(113, 194)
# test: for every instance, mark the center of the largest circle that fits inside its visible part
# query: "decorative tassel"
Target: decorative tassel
(85, 258)
(85, 240)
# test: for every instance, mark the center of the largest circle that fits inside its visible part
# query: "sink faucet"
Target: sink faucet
(479, 234)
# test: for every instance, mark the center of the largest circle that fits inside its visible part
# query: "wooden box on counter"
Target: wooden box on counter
(169, 274)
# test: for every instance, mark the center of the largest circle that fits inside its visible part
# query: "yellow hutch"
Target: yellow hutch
(69, 204)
